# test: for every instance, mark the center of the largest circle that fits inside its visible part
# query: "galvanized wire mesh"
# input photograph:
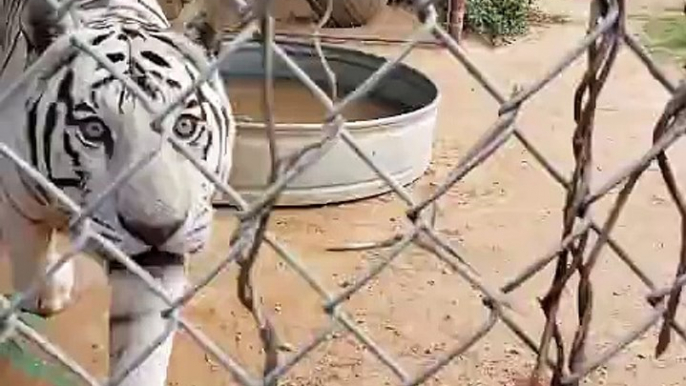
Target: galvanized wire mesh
(576, 253)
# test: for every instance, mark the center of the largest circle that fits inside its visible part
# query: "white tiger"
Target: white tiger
(80, 127)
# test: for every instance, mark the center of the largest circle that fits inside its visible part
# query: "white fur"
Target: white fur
(31, 247)
(129, 341)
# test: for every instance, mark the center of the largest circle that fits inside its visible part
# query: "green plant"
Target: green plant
(498, 18)
(665, 35)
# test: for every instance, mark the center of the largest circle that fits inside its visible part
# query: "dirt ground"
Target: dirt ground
(502, 217)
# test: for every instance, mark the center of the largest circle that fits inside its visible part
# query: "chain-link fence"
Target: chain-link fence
(576, 254)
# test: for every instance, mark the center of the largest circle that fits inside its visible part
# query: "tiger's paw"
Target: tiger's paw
(56, 295)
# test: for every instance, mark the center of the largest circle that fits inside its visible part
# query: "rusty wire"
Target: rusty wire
(575, 254)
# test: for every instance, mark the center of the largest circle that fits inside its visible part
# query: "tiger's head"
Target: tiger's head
(83, 128)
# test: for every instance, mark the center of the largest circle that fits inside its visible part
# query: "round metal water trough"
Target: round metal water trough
(400, 143)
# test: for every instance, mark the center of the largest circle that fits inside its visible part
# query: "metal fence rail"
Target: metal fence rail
(576, 253)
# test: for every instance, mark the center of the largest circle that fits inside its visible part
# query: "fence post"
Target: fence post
(456, 18)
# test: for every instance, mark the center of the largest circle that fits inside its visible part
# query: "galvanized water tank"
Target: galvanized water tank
(400, 144)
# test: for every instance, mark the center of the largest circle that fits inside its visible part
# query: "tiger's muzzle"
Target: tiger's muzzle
(155, 235)
(154, 203)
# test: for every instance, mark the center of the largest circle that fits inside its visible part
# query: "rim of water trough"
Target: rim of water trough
(346, 54)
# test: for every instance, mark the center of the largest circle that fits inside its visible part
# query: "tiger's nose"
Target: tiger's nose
(154, 235)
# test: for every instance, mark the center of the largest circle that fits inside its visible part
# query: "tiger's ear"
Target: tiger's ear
(194, 23)
(200, 30)
(41, 26)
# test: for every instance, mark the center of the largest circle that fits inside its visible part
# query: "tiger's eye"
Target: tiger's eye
(93, 131)
(186, 127)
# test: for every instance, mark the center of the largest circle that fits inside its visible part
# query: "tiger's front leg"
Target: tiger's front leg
(137, 322)
(30, 245)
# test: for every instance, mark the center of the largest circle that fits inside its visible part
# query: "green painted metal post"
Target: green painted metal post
(18, 356)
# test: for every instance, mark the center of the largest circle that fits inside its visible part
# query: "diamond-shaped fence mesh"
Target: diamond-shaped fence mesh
(582, 240)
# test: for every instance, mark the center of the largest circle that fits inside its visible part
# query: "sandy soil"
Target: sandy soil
(502, 217)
